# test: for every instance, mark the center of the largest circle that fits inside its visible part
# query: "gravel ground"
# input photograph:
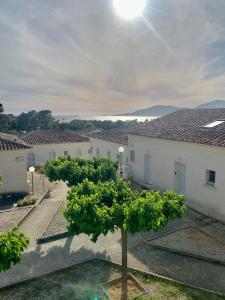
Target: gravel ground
(84, 281)
(57, 225)
(192, 241)
(10, 218)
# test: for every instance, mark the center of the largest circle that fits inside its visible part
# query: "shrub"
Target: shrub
(12, 245)
(27, 201)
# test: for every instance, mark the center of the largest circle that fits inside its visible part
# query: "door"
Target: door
(180, 177)
(30, 159)
(51, 154)
(148, 169)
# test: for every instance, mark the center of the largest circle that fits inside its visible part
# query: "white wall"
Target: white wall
(13, 168)
(74, 149)
(197, 158)
(106, 147)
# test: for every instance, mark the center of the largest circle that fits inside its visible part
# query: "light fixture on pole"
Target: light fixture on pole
(121, 150)
(31, 170)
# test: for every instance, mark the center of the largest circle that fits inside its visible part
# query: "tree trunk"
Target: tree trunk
(124, 264)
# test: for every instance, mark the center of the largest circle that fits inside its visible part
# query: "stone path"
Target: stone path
(10, 218)
(66, 252)
(36, 222)
(191, 241)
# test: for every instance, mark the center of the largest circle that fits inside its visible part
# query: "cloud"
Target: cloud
(80, 57)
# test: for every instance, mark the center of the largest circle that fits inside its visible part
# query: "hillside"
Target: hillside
(213, 104)
(157, 110)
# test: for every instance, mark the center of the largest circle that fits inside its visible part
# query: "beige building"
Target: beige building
(13, 165)
(49, 143)
(185, 152)
(107, 143)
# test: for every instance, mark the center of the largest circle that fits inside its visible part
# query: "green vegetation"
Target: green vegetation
(12, 245)
(75, 170)
(43, 119)
(27, 201)
(162, 289)
(99, 203)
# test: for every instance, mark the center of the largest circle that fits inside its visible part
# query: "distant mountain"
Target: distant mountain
(156, 111)
(213, 104)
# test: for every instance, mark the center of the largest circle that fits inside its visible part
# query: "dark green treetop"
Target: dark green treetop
(75, 170)
(100, 208)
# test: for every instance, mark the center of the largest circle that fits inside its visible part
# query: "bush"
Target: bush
(27, 201)
(12, 245)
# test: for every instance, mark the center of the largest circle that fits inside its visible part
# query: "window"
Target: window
(97, 152)
(213, 124)
(109, 154)
(78, 152)
(210, 177)
(132, 155)
(66, 153)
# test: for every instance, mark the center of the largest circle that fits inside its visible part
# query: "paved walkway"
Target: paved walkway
(46, 258)
(60, 254)
(36, 222)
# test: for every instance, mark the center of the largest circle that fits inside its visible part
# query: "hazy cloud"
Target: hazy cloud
(80, 57)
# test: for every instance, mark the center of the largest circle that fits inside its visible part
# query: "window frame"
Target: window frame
(209, 175)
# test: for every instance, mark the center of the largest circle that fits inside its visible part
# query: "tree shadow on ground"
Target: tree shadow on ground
(181, 268)
(42, 260)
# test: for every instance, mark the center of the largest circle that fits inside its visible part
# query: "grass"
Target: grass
(83, 282)
(27, 201)
(161, 289)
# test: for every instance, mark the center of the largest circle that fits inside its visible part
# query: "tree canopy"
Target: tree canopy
(75, 170)
(100, 208)
(12, 245)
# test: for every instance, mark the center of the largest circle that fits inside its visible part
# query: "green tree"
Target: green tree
(75, 170)
(104, 207)
(12, 245)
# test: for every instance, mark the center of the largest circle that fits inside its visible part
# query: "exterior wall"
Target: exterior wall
(198, 158)
(42, 152)
(106, 147)
(13, 168)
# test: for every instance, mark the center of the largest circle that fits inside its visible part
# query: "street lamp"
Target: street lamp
(121, 150)
(31, 170)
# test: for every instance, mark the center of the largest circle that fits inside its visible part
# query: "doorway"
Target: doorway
(179, 177)
(148, 169)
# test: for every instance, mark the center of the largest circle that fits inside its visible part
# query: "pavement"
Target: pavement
(37, 221)
(55, 255)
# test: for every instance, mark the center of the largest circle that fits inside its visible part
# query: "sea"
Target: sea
(69, 118)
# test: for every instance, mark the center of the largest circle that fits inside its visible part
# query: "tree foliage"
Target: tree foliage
(100, 208)
(12, 245)
(75, 170)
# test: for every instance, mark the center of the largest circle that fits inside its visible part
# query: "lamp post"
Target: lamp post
(121, 150)
(31, 170)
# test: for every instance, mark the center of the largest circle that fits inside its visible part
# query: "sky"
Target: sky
(81, 57)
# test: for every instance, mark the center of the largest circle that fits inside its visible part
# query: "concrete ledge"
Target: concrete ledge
(54, 237)
(185, 253)
(42, 197)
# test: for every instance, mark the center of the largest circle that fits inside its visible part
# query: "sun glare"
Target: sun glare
(129, 9)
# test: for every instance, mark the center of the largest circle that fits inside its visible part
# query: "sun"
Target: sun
(129, 9)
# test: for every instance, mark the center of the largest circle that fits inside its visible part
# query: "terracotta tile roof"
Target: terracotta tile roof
(187, 126)
(119, 136)
(52, 136)
(11, 142)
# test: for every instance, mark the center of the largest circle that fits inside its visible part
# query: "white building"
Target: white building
(13, 165)
(49, 143)
(185, 152)
(107, 143)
